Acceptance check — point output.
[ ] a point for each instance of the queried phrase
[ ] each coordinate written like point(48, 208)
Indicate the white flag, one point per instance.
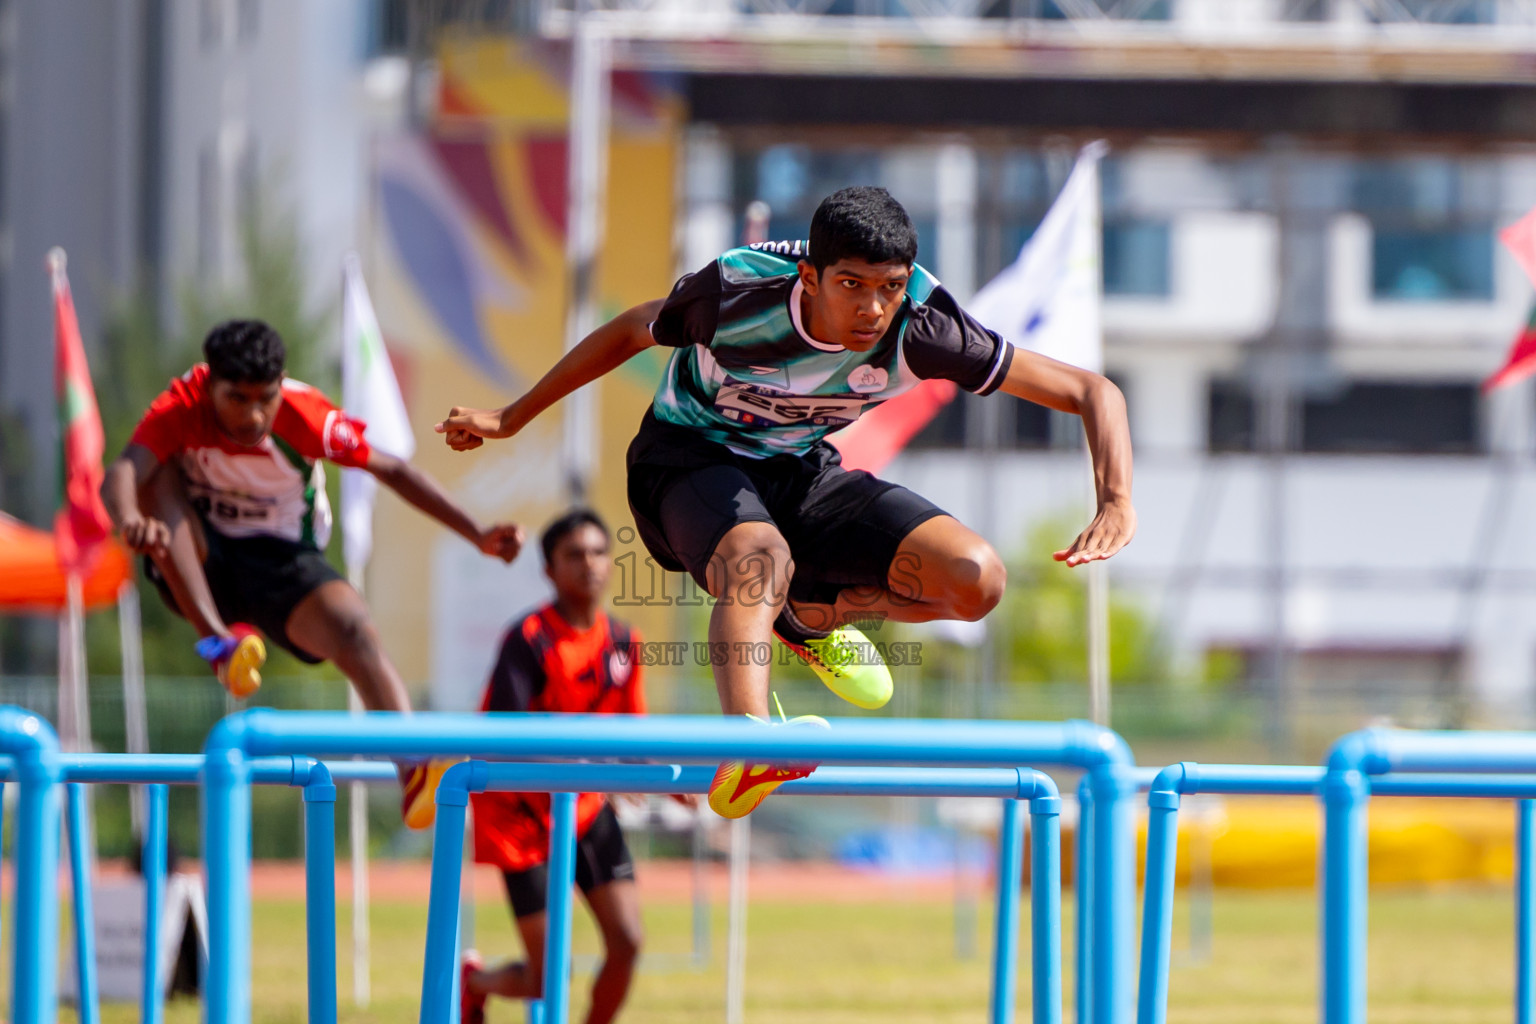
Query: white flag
point(369, 392)
point(1047, 300)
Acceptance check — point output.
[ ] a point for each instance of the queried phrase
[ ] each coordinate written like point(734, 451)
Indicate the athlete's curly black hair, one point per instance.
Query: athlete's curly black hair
point(863, 222)
point(566, 525)
point(245, 352)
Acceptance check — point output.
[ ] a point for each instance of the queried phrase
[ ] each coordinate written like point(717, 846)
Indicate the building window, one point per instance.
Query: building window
point(1392, 417)
point(1432, 264)
point(1123, 10)
point(1136, 256)
point(1431, 227)
point(1445, 12)
point(1360, 417)
point(1231, 424)
point(388, 28)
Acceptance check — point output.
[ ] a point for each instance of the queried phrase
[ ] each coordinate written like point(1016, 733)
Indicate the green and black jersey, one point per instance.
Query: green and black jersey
point(747, 375)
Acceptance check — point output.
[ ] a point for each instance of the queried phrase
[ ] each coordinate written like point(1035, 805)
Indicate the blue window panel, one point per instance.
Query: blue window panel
point(1136, 257)
point(1432, 265)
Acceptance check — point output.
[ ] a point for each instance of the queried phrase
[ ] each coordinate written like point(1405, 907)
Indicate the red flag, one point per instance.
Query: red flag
point(82, 523)
point(1520, 239)
point(879, 436)
point(1521, 361)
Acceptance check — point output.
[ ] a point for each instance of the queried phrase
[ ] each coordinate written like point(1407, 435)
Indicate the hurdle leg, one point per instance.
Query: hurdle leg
point(320, 892)
point(1083, 1000)
point(152, 859)
point(1345, 877)
point(35, 923)
point(1005, 942)
point(1525, 912)
point(1045, 907)
point(562, 877)
point(1157, 912)
point(1114, 887)
point(84, 917)
point(227, 853)
point(440, 967)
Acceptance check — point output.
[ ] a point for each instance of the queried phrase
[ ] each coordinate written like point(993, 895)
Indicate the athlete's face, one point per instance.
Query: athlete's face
point(579, 566)
point(851, 303)
point(245, 411)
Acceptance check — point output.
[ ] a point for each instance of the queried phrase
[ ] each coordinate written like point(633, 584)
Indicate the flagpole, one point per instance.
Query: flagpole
point(135, 708)
point(587, 189)
point(357, 792)
point(1098, 627)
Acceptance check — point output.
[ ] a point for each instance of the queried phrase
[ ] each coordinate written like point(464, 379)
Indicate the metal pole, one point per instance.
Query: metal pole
point(1083, 1008)
point(736, 922)
point(135, 711)
point(1114, 885)
point(84, 916)
point(1045, 907)
point(35, 919)
point(1525, 912)
point(152, 860)
point(587, 187)
point(227, 864)
point(440, 973)
point(357, 834)
point(1098, 643)
point(320, 892)
point(1005, 942)
point(700, 890)
point(1157, 912)
point(562, 879)
point(1345, 877)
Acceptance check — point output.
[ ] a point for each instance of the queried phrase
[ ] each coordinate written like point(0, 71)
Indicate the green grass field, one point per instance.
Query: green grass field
point(1437, 957)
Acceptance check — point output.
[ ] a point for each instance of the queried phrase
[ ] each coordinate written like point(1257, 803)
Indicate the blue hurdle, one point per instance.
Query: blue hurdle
point(1346, 789)
point(1188, 778)
point(695, 739)
point(440, 994)
point(34, 750)
point(157, 772)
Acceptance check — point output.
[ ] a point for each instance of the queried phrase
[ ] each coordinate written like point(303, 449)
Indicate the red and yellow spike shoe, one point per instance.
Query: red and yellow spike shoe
point(418, 798)
point(738, 787)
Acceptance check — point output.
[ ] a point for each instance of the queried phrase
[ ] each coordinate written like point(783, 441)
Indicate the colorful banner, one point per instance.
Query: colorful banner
point(469, 277)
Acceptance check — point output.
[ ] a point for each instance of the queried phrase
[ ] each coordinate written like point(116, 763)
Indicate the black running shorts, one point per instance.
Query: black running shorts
point(843, 527)
point(602, 856)
point(259, 580)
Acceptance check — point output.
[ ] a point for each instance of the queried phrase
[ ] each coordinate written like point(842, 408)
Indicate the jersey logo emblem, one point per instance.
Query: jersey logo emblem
point(619, 668)
point(865, 379)
point(755, 406)
point(341, 435)
point(763, 371)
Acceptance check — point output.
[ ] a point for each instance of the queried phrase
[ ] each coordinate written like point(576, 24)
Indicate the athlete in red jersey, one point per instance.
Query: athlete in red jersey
point(567, 656)
point(222, 489)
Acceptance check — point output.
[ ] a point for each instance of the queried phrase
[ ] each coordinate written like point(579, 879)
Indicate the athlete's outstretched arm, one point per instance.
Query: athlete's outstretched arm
point(605, 349)
point(1067, 388)
point(120, 494)
point(501, 541)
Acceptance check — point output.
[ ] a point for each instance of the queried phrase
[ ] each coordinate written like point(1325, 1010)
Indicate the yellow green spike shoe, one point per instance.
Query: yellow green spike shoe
point(850, 666)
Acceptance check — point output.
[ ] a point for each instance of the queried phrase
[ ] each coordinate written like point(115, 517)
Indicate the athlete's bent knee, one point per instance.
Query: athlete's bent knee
point(982, 577)
point(623, 943)
point(752, 562)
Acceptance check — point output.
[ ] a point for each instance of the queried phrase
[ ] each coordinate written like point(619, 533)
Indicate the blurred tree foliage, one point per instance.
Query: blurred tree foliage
point(1046, 611)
